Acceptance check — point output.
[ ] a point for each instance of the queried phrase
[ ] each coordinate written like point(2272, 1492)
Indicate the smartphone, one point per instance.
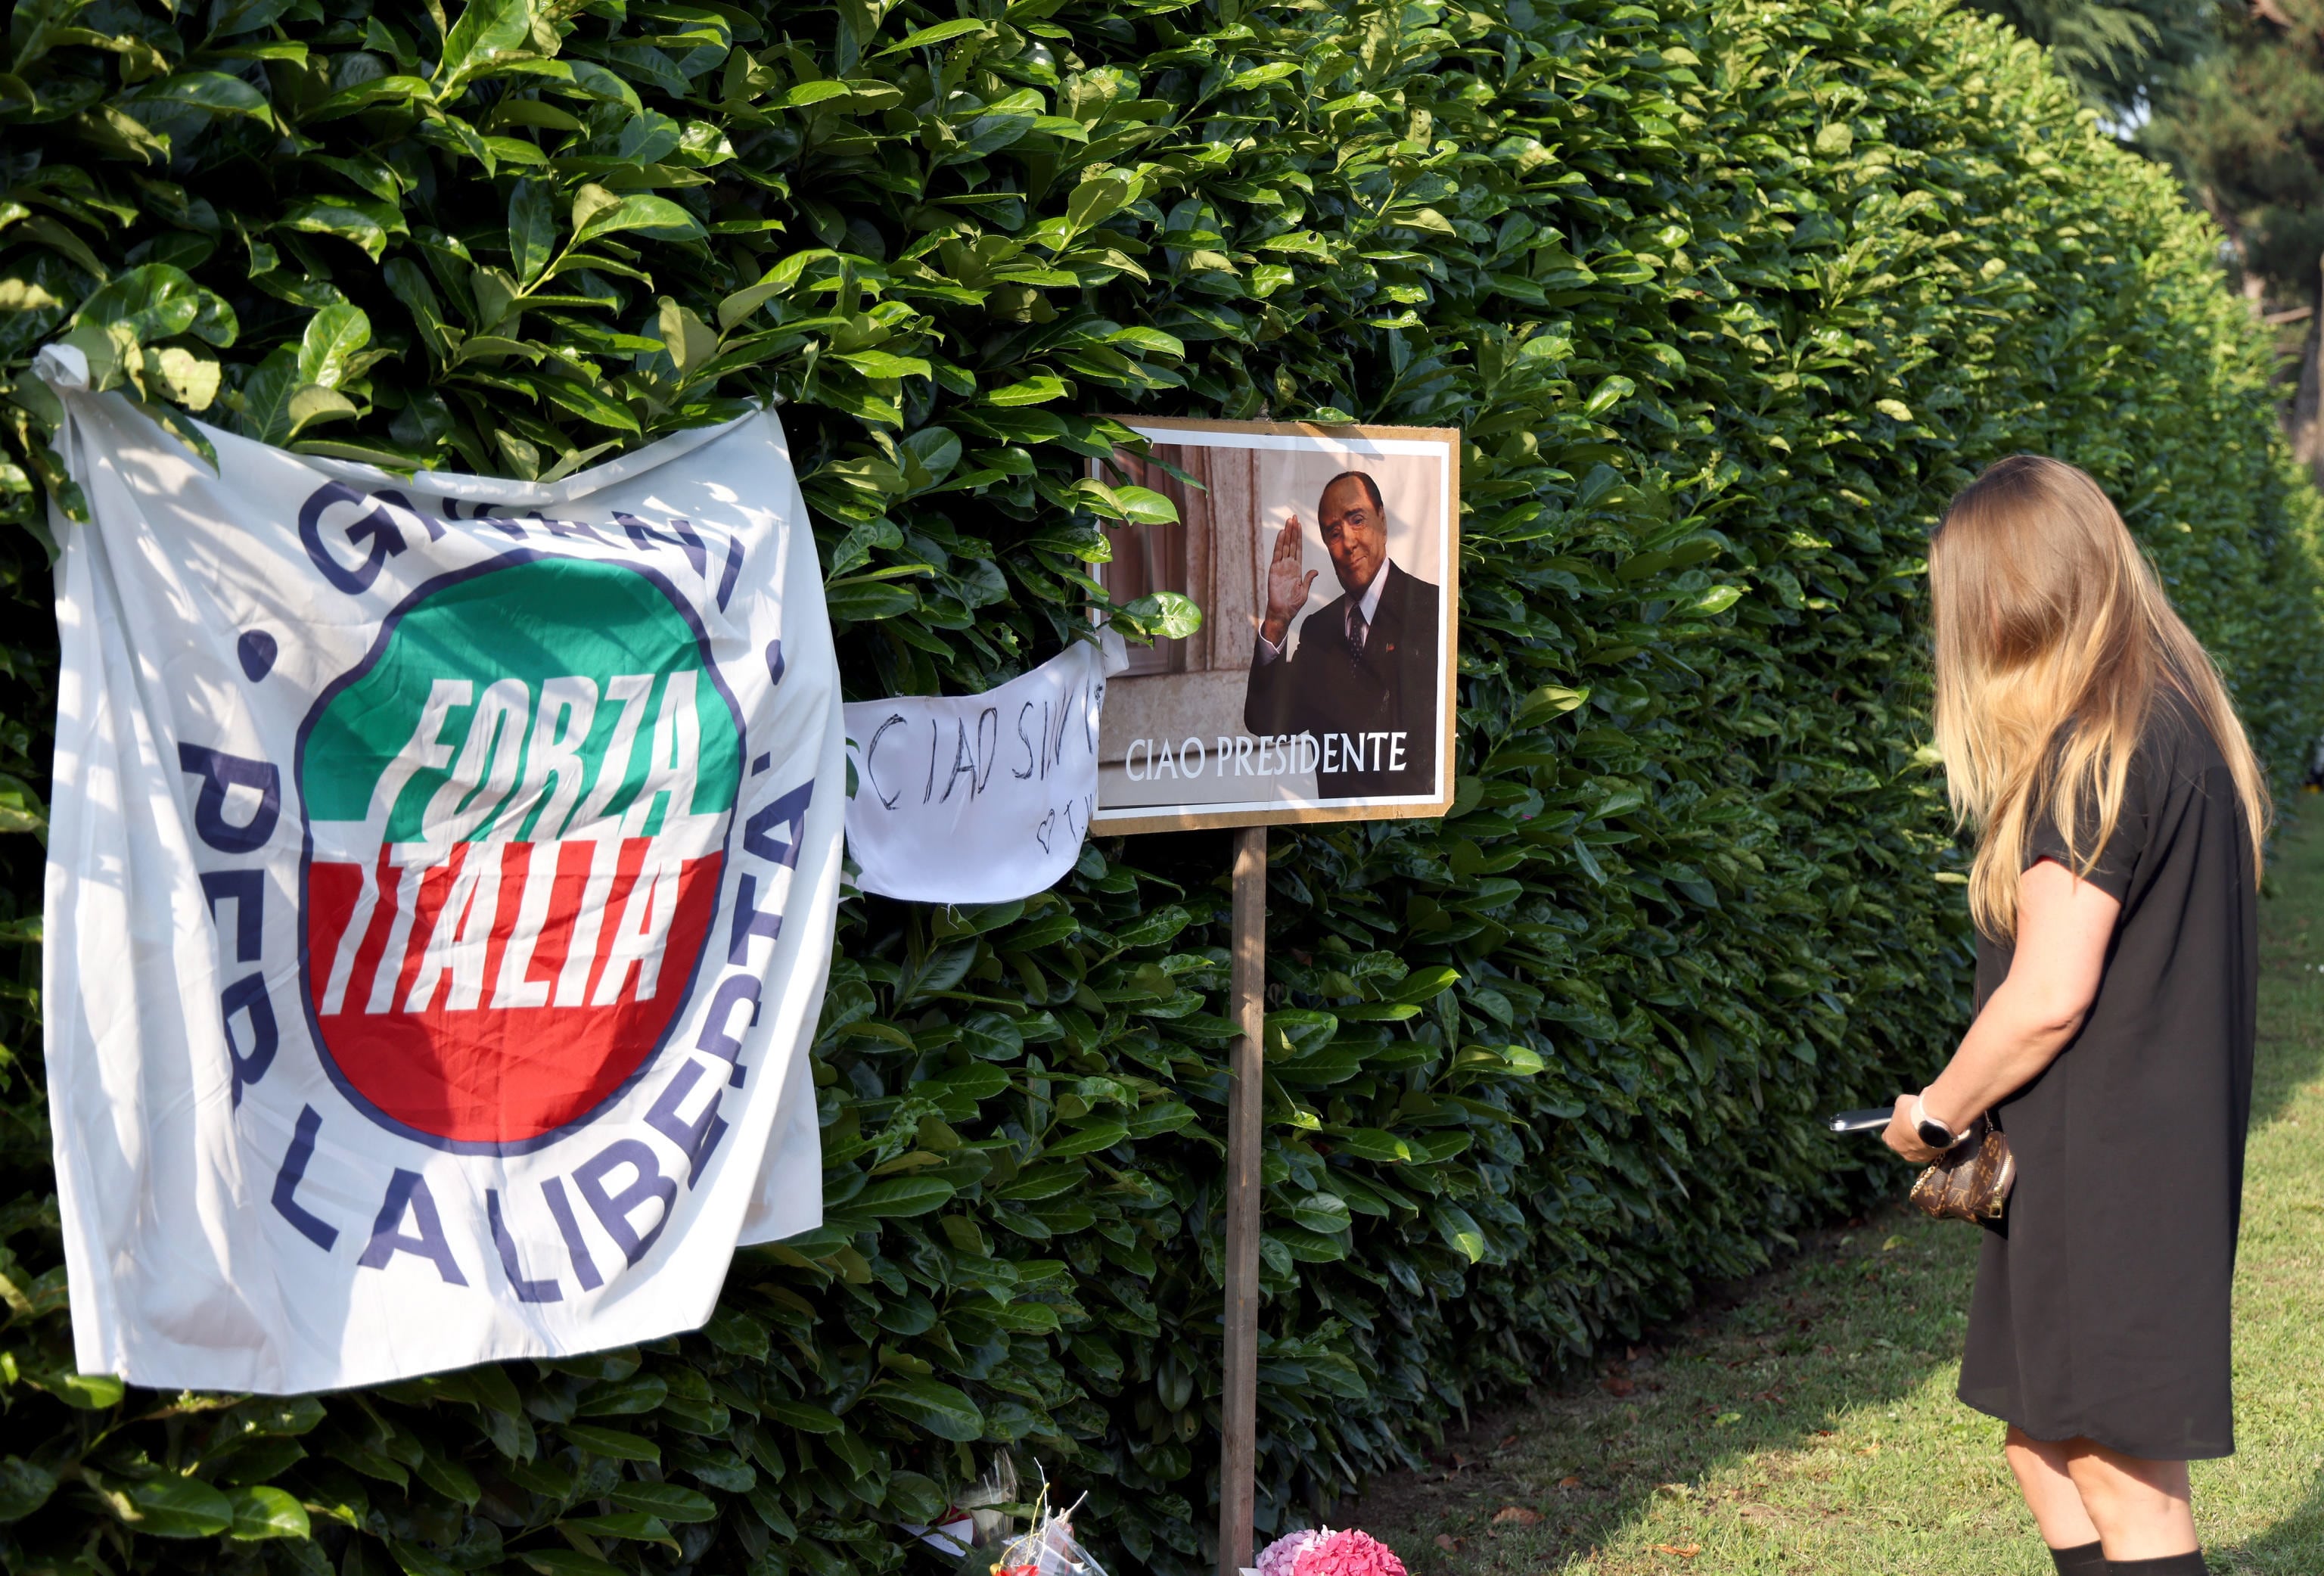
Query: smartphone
point(1870, 1120)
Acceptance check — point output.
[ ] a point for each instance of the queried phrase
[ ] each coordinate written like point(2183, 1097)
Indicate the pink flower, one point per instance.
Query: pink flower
point(1281, 1557)
point(1347, 1554)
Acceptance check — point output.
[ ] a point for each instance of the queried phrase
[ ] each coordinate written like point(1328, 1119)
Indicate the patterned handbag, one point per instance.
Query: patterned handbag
point(1970, 1181)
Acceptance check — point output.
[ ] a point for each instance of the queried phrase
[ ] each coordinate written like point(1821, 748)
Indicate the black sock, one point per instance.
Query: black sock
point(2089, 1559)
point(2188, 1565)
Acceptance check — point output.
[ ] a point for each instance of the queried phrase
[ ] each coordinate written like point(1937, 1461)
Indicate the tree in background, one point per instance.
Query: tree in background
point(2245, 126)
point(2122, 57)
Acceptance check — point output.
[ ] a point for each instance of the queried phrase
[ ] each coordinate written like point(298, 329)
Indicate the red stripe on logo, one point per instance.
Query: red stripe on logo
point(487, 1073)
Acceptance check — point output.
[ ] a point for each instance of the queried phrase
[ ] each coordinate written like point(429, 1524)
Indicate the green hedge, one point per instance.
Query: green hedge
point(1727, 299)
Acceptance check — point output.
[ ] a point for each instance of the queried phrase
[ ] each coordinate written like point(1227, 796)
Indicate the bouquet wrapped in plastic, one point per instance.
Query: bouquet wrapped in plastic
point(978, 1517)
point(1049, 1549)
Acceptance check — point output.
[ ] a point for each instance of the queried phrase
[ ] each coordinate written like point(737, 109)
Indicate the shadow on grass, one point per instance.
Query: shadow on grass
point(1806, 1364)
point(2288, 1548)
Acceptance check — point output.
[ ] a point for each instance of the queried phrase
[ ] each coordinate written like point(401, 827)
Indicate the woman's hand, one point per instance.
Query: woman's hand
point(1901, 1136)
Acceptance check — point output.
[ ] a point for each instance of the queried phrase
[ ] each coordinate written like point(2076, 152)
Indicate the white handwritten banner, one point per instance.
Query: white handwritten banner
point(441, 885)
point(979, 799)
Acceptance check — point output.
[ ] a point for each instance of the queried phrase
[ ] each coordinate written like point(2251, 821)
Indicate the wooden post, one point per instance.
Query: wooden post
point(1246, 1091)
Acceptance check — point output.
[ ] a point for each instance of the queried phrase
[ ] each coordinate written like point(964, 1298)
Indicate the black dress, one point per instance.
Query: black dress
point(2102, 1299)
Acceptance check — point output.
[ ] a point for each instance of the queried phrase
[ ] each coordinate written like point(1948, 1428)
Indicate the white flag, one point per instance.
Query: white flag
point(979, 799)
point(441, 883)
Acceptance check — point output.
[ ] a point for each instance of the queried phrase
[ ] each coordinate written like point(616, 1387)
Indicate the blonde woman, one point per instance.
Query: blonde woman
point(2118, 814)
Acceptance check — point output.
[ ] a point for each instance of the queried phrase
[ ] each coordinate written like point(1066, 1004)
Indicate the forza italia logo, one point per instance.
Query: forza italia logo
point(517, 810)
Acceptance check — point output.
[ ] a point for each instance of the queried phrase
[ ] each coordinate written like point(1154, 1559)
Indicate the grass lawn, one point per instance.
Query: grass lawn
point(1810, 1428)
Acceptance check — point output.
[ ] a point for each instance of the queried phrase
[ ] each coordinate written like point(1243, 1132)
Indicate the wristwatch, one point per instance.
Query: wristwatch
point(1934, 1133)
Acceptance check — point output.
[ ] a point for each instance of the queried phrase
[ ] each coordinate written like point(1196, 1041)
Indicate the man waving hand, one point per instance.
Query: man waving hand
point(1363, 679)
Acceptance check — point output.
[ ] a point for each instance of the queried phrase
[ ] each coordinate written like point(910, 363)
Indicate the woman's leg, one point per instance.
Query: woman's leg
point(2141, 1508)
point(2043, 1477)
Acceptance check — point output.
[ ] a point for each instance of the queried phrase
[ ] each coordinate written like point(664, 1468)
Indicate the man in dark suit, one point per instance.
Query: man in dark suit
point(1364, 680)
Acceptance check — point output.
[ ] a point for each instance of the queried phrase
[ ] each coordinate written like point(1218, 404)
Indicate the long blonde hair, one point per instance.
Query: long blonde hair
point(2053, 638)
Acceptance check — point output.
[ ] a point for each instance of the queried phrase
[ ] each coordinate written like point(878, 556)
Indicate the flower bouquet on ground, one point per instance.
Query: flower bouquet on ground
point(1320, 1551)
point(1049, 1549)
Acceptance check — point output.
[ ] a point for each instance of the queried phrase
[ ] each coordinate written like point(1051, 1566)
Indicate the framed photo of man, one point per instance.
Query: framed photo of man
point(1326, 561)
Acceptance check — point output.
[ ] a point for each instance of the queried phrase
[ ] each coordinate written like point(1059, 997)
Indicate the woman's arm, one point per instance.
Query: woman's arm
point(2063, 926)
